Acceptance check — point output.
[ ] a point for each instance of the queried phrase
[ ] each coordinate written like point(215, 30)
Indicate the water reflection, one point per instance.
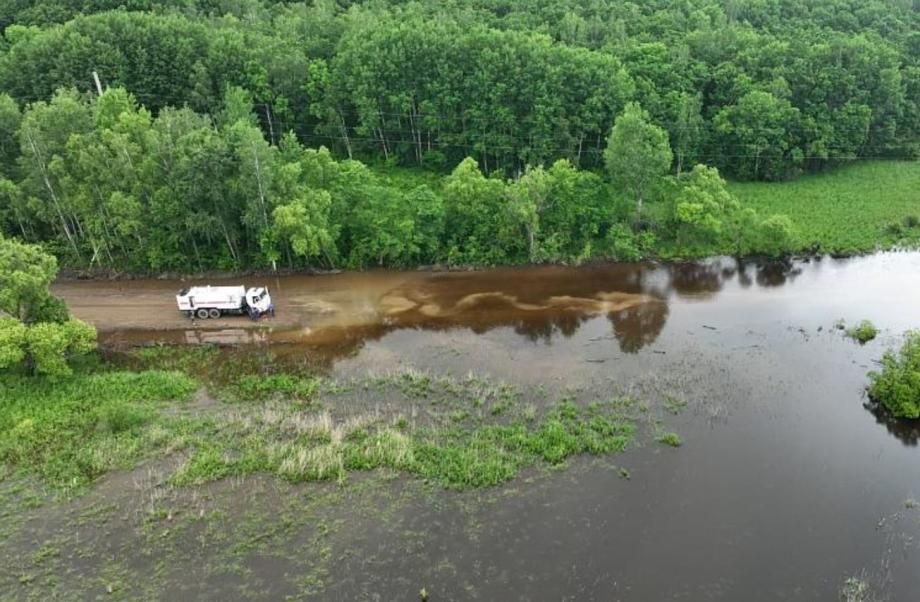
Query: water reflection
point(539, 304)
point(905, 431)
point(638, 326)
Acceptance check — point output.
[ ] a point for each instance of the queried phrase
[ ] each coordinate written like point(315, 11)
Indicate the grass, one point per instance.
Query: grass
point(857, 589)
point(856, 208)
point(457, 433)
point(669, 438)
point(69, 431)
point(482, 452)
point(863, 332)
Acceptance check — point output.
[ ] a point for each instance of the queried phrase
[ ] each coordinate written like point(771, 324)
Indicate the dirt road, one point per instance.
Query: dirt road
point(321, 309)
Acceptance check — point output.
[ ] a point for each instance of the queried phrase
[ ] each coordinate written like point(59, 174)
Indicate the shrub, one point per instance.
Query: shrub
point(897, 385)
point(864, 332)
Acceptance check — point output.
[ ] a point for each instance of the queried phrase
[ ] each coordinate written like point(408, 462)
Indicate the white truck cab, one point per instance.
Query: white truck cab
point(214, 301)
point(259, 300)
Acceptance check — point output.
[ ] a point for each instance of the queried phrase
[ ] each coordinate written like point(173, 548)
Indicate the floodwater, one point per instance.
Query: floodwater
point(786, 485)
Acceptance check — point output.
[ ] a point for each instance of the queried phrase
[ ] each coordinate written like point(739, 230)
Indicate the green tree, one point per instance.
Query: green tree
point(302, 224)
point(756, 136)
point(479, 225)
point(686, 129)
point(702, 209)
point(26, 273)
point(12, 342)
point(10, 118)
point(637, 155)
point(34, 326)
point(51, 344)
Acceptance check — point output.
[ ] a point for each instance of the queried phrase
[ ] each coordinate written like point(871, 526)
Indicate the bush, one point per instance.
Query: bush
point(864, 332)
point(897, 386)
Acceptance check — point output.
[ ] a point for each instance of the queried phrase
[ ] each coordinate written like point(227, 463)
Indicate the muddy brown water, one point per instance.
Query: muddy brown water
point(786, 483)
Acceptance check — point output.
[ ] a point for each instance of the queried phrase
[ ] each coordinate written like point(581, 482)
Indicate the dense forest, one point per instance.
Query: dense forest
point(239, 133)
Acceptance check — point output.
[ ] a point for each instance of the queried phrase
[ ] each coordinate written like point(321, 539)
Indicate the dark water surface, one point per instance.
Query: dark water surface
point(785, 485)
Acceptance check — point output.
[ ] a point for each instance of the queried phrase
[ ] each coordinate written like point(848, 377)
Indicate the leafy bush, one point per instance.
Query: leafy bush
point(897, 385)
point(864, 332)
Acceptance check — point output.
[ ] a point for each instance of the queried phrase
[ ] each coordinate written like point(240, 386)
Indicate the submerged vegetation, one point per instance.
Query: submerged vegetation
point(457, 433)
point(897, 385)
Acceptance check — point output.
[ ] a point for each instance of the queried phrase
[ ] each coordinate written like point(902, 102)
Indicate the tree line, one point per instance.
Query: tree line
point(104, 182)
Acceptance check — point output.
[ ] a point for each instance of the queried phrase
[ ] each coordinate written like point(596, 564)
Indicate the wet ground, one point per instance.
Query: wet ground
point(786, 485)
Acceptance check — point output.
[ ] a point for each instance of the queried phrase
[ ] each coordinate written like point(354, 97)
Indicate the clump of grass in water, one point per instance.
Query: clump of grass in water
point(674, 405)
point(669, 438)
point(251, 387)
point(79, 428)
point(455, 457)
point(857, 589)
point(864, 332)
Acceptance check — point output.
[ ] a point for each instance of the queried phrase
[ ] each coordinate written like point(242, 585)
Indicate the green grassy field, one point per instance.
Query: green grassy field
point(856, 208)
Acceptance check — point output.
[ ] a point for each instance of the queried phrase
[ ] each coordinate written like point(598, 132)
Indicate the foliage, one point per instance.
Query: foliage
point(637, 154)
point(208, 148)
point(26, 273)
point(73, 429)
point(50, 344)
point(897, 385)
point(845, 211)
point(34, 325)
point(13, 339)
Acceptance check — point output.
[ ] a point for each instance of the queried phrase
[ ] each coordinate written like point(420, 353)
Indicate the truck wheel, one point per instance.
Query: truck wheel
point(202, 314)
point(213, 313)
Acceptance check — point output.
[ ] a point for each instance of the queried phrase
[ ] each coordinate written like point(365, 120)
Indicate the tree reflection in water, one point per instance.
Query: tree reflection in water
point(905, 431)
point(539, 304)
point(638, 326)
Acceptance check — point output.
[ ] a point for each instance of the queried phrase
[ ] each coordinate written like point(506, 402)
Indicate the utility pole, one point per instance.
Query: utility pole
point(98, 83)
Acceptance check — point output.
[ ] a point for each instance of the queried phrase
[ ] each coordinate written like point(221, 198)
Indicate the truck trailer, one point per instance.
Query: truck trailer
point(214, 301)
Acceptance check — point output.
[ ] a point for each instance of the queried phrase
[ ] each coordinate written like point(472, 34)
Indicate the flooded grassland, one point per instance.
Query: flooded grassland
point(784, 485)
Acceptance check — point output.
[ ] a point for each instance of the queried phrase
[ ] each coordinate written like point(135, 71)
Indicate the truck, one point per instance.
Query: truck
point(213, 302)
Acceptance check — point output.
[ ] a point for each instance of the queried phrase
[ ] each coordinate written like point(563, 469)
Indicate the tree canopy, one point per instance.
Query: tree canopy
point(261, 133)
point(35, 327)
